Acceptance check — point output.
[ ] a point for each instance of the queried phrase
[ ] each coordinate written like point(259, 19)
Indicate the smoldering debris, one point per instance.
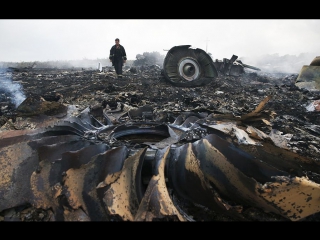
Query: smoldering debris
point(96, 148)
point(11, 90)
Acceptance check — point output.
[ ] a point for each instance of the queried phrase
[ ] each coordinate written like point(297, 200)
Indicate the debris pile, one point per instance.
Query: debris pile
point(86, 146)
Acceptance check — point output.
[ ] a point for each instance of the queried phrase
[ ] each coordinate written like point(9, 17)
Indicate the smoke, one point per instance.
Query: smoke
point(274, 63)
point(13, 89)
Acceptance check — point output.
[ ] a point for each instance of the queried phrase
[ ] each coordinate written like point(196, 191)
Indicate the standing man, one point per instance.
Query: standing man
point(118, 57)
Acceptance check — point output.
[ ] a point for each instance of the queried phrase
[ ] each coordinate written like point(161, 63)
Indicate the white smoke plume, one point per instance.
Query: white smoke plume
point(275, 63)
point(13, 89)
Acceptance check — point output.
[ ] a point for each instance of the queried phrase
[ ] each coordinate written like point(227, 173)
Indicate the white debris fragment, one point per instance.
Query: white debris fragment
point(223, 127)
point(280, 140)
point(256, 133)
point(313, 106)
point(243, 137)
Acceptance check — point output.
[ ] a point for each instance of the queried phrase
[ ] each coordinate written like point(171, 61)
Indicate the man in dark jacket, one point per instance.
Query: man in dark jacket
point(118, 57)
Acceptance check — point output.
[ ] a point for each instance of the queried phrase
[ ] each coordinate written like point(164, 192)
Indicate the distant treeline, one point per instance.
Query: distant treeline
point(85, 63)
point(268, 63)
point(147, 58)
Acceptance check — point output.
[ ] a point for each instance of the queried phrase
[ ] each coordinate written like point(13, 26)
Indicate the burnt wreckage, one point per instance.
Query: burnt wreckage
point(188, 67)
point(121, 161)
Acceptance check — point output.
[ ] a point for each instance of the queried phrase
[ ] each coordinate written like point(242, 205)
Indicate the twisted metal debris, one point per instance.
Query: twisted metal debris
point(199, 159)
point(80, 169)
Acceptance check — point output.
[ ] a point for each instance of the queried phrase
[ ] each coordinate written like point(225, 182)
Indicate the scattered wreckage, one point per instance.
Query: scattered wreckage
point(309, 76)
point(188, 67)
point(213, 153)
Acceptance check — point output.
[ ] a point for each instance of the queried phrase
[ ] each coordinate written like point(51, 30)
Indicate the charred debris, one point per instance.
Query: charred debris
point(192, 140)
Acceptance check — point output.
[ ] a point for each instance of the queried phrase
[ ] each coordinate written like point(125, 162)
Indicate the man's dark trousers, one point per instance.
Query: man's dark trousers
point(118, 66)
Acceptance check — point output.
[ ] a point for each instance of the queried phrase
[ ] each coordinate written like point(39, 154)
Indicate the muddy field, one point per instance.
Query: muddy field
point(264, 126)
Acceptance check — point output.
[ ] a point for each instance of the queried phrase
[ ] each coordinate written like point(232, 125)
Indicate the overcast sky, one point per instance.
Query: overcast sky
point(76, 39)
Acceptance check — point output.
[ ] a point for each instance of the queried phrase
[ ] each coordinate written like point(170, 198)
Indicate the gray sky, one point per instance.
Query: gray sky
point(24, 40)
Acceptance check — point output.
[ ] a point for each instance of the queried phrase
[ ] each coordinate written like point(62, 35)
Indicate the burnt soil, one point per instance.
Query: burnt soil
point(286, 109)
